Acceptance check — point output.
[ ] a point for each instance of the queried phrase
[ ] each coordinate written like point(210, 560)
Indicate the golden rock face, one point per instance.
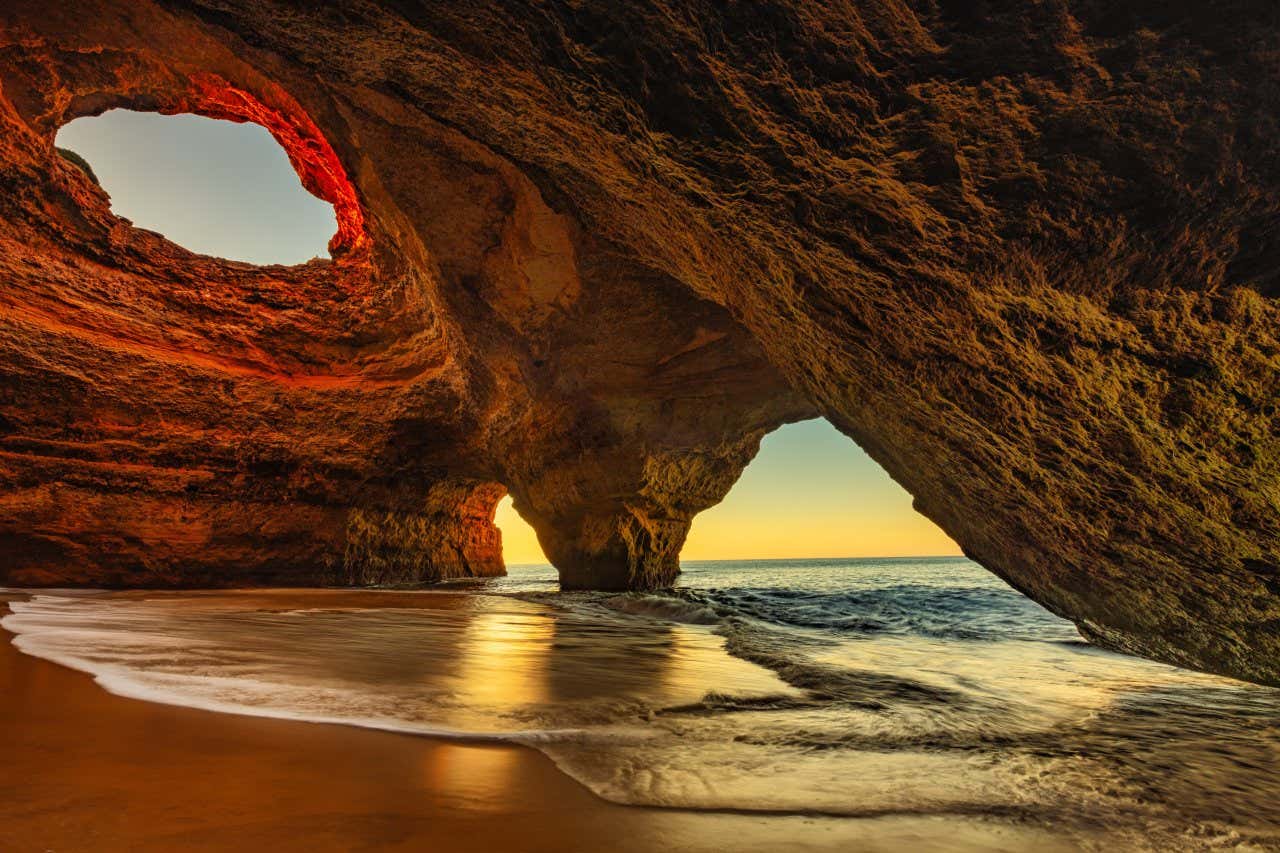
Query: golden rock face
point(1023, 255)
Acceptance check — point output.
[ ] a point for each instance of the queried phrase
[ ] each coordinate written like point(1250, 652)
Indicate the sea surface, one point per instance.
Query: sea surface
point(849, 689)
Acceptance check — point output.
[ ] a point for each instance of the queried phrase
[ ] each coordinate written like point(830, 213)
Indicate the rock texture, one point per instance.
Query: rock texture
point(1025, 253)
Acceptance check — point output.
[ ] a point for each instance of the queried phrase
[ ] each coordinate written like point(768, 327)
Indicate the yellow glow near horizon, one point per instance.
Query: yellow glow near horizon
point(811, 492)
point(519, 542)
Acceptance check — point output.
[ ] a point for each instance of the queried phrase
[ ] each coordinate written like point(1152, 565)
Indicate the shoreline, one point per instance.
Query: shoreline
point(88, 770)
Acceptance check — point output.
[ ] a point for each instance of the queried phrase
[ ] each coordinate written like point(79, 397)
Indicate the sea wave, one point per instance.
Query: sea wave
point(667, 608)
point(945, 612)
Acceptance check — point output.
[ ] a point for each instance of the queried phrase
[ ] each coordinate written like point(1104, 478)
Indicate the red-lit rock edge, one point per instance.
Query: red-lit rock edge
point(310, 153)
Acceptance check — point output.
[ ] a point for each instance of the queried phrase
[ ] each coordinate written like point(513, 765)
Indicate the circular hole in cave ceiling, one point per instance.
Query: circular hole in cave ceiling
point(215, 187)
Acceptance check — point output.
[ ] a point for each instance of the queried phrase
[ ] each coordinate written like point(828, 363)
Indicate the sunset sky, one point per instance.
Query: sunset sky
point(228, 190)
point(811, 492)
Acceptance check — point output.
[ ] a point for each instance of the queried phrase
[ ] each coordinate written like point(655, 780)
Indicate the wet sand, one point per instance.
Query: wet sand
point(83, 770)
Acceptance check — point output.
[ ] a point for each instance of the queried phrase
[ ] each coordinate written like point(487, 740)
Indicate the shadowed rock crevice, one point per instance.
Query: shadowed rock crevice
point(453, 536)
point(1017, 251)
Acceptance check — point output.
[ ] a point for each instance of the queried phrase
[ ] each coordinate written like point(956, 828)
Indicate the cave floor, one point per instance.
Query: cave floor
point(83, 769)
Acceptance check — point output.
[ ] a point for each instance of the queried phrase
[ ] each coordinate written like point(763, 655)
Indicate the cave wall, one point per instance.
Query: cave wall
point(173, 419)
point(1022, 252)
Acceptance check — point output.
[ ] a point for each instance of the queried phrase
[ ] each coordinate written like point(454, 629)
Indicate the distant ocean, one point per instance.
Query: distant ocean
point(847, 688)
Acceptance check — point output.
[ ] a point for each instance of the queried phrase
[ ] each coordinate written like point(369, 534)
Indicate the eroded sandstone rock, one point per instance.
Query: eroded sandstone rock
point(589, 253)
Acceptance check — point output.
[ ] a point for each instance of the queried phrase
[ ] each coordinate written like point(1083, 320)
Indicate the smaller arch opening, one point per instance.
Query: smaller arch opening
point(520, 545)
point(220, 188)
point(812, 492)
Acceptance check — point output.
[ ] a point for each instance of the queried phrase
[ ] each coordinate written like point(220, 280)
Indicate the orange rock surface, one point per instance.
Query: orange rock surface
point(1023, 253)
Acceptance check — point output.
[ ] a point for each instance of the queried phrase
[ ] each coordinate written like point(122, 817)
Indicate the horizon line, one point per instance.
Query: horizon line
point(779, 559)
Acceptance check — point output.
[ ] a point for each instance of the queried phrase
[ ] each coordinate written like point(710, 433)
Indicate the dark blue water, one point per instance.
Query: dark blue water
point(941, 598)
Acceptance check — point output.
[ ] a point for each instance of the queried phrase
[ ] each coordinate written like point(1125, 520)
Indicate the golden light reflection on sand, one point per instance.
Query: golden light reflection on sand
point(488, 778)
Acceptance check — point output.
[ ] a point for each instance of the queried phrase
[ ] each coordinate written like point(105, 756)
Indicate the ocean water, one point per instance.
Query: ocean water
point(844, 688)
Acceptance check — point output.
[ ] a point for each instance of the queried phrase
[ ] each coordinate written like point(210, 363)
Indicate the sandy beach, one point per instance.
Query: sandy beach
point(84, 770)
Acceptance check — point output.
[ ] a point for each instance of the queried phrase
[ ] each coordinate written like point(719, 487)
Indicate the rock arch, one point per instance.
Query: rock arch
point(593, 254)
